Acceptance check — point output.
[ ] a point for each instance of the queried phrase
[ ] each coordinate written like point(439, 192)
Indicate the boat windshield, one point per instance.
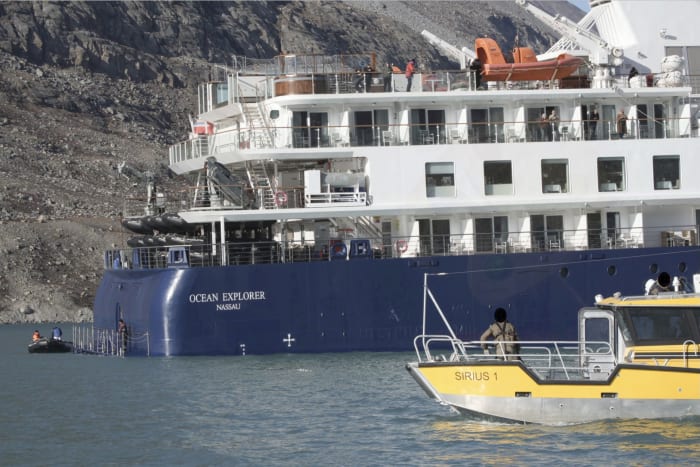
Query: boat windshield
point(654, 326)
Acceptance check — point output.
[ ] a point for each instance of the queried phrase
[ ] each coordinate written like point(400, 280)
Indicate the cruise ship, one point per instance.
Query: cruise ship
point(321, 189)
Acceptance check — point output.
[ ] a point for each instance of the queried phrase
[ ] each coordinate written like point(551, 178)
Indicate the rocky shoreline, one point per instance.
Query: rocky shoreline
point(87, 86)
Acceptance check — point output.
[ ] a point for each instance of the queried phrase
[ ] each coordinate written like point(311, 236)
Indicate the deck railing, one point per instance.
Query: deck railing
point(547, 360)
point(99, 341)
point(269, 135)
point(437, 133)
point(192, 252)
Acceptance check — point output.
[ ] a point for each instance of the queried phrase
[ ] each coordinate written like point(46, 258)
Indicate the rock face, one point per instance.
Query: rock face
point(87, 85)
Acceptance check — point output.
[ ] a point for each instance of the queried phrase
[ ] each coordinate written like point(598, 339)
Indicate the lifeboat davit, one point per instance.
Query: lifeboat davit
point(525, 66)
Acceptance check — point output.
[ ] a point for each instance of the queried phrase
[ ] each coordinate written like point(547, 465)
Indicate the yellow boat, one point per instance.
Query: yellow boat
point(636, 357)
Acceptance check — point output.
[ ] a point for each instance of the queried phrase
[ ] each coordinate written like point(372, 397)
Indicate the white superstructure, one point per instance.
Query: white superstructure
point(323, 152)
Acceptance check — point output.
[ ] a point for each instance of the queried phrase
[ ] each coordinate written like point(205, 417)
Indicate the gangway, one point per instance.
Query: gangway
point(108, 342)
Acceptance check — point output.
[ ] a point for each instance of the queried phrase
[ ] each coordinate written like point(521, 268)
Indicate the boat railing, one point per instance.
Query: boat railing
point(89, 339)
point(162, 250)
point(270, 135)
point(319, 74)
point(328, 199)
point(547, 360)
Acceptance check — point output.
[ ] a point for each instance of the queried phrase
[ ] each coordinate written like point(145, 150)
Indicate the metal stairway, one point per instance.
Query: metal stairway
point(261, 183)
point(260, 133)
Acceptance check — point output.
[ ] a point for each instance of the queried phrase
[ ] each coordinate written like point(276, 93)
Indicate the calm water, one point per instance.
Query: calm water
point(332, 409)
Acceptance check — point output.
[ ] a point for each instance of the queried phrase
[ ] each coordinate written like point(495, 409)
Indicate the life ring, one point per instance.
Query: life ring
point(280, 198)
point(402, 246)
point(338, 248)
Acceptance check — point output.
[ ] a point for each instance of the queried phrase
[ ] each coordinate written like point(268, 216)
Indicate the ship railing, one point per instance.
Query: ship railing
point(547, 360)
point(694, 83)
point(336, 74)
point(89, 339)
point(181, 250)
point(269, 135)
point(333, 199)
point(538, 241)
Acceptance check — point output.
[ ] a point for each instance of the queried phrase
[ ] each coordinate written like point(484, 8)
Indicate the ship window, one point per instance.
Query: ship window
point(221, 94)
point(439, 179)
point(597, 334)
point(427, 126)
point(555, 176)
point(691, 64)
point(654, 325)
point(369, 125)
point(645, 122)
point(693, 61)
point(666, 172)
point(310, 129)
point(487, 125)
point(611, 174)
point(674, 50)
point(546, 232)
point(491, 233)
point(434, 236)
point(539, 130)
point(612, 219)
point(594, 230)
point(498, 178)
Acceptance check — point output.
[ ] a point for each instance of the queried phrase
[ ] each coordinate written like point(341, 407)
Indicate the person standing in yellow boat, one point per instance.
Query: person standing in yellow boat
point(501, 330)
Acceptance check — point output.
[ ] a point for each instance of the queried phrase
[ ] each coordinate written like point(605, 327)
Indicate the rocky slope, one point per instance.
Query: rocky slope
point(87, 85)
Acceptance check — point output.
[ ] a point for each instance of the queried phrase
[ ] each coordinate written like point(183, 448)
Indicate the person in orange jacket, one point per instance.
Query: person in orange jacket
point(410, 70)
point(36, 336)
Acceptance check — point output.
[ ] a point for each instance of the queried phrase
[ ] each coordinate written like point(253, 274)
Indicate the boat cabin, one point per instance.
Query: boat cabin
point(659, 329)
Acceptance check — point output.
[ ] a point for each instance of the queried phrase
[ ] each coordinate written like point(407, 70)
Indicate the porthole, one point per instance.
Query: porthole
point(653, 268)
point(564, 273)
point(682, 267)
point(612, 270)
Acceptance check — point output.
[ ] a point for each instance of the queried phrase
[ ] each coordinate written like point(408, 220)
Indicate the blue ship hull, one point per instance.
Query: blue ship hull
point(366, 304)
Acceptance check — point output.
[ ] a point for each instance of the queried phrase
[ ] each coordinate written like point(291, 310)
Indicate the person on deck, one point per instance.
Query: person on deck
point(554, 122)
point(662, 284)
point(358, 80)
point(475, 69)
point(369, 71)
point(504, 335)
point(621, 123)
point(593, 124)
point(387, 77)
point(57, 334)
point(410, 71)
point(633, 73)
point(123, 336)
point(545, 128)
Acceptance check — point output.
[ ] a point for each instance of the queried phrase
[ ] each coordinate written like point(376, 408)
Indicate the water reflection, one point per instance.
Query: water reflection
point(651, 435)
point(631, 441)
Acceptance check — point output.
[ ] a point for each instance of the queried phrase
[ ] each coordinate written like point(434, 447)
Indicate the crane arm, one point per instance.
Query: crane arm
point(600, 51)
point(462, 56)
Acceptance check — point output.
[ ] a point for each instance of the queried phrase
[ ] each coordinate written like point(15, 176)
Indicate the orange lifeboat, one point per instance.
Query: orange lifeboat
point(525, 66)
